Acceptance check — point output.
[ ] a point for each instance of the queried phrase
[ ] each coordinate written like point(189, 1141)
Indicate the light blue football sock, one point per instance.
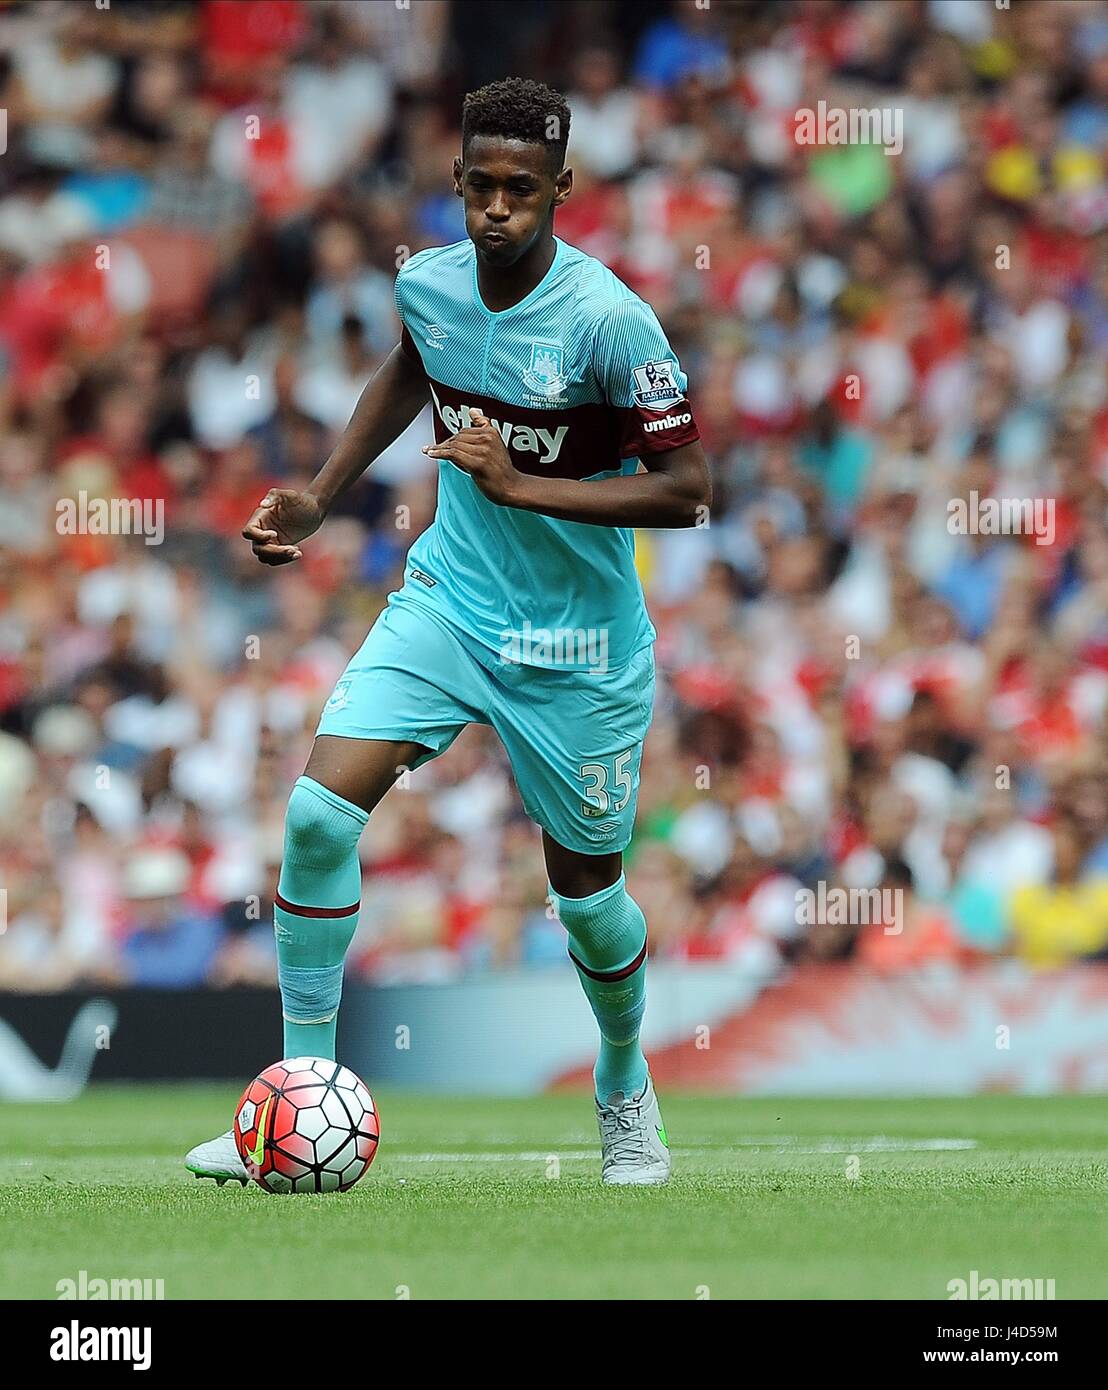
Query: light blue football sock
point(607, 944)
point(315, 913)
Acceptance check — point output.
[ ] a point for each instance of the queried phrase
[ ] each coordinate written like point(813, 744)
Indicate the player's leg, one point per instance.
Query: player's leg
point(315, 911)
point(318, 897)
point(575, 744)
point(403, 699)
point(607, 944)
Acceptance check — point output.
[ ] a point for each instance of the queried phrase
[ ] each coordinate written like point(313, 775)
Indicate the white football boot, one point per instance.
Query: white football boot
point(633, 1142)
point(219, 1159)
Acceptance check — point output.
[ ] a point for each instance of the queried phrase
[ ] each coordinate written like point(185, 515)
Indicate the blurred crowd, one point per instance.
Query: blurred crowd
point(202, 209)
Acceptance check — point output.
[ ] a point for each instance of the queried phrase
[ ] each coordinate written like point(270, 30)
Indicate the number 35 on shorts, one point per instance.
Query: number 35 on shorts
point(607, 790)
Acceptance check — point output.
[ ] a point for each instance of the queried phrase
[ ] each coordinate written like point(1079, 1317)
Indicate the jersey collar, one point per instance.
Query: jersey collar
point(559, 249)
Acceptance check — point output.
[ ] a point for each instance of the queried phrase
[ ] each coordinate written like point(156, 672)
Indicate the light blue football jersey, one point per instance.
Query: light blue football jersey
point(580, 381)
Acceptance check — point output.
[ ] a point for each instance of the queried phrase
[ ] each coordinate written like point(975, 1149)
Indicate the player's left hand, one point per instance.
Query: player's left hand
point(480, 451)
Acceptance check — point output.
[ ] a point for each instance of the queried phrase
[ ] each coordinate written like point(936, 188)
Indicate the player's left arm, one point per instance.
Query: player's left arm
point(644, 389)
point(675, 490)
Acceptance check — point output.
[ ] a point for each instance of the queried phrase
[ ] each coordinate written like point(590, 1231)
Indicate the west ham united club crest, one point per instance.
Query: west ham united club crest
point(656, 386)
point(544, 375)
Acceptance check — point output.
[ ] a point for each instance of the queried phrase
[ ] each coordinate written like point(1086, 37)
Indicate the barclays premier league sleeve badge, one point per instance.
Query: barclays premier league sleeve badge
point(655, 386)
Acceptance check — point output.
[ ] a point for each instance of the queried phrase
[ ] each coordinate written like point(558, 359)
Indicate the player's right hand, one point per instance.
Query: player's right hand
point(283, 518)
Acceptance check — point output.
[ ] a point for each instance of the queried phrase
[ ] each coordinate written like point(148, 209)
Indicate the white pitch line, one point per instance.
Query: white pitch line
point(495, 1157)
point(879, 1144)
point(786, 1141)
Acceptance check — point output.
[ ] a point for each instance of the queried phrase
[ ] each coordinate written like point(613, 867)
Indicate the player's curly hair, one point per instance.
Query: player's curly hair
point(518, 109)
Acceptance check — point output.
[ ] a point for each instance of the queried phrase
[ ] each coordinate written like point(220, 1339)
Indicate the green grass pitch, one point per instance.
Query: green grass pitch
point(770, 1199)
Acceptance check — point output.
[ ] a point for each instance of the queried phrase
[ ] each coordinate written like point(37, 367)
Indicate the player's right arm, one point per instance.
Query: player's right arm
point(393, 397)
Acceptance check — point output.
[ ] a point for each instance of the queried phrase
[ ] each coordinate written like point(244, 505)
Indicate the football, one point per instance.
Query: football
point(306, 1125)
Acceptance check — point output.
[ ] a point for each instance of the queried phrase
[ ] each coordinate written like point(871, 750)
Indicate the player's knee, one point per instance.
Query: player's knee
point(604, 929)
point(580, 914)
point(318, 834)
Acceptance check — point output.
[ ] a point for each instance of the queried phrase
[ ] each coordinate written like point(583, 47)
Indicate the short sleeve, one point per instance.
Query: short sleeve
point(407, 342)
point(642, 381)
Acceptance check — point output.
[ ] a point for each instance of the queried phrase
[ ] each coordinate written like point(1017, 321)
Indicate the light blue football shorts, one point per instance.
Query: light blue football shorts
point(573, 737)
